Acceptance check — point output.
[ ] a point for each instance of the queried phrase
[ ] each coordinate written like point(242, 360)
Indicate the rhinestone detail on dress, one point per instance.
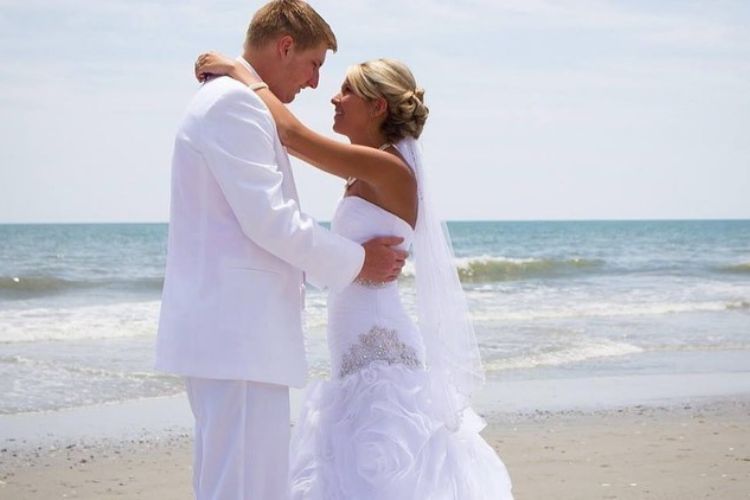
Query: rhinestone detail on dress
point(379, 344)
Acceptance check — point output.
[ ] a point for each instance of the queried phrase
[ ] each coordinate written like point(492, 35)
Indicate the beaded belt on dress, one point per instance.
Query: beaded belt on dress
point(378, 344)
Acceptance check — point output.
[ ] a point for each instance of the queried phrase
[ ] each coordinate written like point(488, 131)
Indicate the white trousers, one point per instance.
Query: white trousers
point(241, 439)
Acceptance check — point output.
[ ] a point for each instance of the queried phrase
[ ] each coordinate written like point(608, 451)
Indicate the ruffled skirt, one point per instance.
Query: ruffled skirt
point(372, 435)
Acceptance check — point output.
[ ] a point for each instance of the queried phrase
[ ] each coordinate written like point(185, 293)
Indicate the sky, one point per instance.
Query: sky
point(539, 109)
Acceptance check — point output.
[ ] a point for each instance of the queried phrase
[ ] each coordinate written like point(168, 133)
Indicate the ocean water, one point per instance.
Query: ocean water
point(550, 300)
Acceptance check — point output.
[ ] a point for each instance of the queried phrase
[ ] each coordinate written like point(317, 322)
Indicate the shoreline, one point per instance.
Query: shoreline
point(694, 449)
point(504, 400)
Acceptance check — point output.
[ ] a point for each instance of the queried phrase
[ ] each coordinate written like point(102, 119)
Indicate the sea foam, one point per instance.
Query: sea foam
point(599, 309)
point(572, 354)
point(129, 319)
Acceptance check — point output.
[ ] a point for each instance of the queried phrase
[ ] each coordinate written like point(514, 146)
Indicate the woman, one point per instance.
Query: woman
point(394, 421)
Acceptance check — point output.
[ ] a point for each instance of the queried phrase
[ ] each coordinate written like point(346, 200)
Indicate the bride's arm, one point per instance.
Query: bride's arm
point(344, 160)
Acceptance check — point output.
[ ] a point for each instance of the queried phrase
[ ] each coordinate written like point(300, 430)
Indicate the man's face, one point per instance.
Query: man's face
point(299, 69)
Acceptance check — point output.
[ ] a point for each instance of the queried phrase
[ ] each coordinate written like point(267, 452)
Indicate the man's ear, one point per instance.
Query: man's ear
point(285, 46)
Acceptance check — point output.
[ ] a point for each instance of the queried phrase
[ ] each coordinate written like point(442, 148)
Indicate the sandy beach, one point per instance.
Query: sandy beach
point(694, 450)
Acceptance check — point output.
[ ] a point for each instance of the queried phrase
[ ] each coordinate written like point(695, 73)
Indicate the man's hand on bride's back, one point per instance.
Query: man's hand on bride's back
point(383, 262)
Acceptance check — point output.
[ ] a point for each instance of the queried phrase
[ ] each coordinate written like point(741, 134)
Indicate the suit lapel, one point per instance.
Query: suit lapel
point(288, 186)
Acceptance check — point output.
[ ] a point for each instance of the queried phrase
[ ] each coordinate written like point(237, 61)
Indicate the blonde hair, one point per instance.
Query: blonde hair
point(290, 17)
point(393, 81)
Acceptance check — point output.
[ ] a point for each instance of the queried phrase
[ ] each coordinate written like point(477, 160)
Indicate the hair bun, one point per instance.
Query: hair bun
point(393, 81)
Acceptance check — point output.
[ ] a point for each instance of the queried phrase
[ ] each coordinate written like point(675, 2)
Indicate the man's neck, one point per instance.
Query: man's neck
point(256, 62)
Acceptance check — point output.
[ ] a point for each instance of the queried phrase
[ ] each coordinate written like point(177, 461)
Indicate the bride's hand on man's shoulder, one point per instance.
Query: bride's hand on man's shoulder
point(210, 64)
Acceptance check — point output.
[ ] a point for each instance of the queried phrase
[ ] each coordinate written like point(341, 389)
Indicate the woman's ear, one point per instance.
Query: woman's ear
point(380, 107)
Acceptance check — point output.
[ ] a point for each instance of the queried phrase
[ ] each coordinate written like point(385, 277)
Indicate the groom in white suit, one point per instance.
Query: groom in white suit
point(239, 250)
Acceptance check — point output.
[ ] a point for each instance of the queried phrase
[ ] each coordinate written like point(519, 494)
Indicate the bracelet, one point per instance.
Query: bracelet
point(372, 284)
point(258, 86)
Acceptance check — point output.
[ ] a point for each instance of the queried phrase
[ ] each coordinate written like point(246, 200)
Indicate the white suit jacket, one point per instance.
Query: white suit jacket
point(238, 246)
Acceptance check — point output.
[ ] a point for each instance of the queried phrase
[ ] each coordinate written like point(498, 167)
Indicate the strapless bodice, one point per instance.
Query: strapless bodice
point(360, 220)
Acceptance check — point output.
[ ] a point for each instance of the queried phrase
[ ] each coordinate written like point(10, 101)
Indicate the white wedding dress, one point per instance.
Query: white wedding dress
point(370, 432)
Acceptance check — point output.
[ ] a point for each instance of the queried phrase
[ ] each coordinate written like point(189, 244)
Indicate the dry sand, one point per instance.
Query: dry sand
point(692, 451)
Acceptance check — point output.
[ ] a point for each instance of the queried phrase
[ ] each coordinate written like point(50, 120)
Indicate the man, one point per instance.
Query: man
point(238, 246)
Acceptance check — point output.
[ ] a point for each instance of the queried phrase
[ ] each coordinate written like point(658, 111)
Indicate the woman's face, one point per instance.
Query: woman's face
point(353, 115)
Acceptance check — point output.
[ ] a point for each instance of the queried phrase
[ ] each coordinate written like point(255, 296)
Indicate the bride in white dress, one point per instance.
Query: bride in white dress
point(394, 421)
